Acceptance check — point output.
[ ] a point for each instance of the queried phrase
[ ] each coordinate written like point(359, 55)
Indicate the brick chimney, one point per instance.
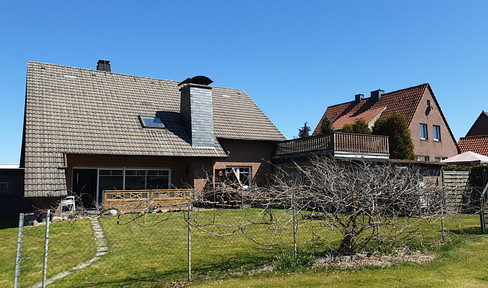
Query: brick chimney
point(103, 65)
point(196, 111)
point(376, 95)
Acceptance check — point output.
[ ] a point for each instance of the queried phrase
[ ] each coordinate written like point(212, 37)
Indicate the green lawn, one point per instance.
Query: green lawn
point(70, 243)
point(151, 251)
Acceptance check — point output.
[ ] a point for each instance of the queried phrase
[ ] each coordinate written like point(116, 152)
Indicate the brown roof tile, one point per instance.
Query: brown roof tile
point(81, 111)
point(477, 144)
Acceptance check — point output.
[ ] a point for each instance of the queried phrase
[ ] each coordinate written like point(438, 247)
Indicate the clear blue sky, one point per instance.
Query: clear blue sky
point(294, 58)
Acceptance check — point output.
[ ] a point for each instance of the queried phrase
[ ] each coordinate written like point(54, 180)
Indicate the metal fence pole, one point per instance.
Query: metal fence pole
point(46, 246)
point(294, 223)
point(482, 215)
point(189, 239)
point(19, 248)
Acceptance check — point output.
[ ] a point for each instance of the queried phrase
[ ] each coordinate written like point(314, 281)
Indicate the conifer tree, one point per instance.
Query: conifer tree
point(395, 127)
point(304, 131)
point(326, 127)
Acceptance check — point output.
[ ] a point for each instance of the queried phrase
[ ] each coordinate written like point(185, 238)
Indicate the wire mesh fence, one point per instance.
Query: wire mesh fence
point(208, 237)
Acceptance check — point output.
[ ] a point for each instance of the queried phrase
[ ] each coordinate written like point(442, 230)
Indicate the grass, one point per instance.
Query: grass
point(151, 251)
point(70, 243)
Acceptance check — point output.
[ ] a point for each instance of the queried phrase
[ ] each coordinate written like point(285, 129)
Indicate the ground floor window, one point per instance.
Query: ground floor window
point(439, 159)
point(90, 183)
point(423, 158)
point(242, 175)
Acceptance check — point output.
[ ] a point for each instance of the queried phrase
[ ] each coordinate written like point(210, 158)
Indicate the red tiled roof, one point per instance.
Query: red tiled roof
point(368, 116)
point(404, 101)
point(477, 144)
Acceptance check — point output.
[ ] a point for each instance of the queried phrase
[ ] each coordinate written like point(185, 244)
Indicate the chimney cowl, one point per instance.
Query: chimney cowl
point(376, 94)
point(358, 98)
point(103, 65)
point(200, 80)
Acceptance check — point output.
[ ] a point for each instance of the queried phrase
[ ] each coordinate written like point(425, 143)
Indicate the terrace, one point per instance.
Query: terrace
point(342, 145)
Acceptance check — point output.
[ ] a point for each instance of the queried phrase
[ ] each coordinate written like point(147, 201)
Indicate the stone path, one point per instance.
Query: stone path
point(102, 249)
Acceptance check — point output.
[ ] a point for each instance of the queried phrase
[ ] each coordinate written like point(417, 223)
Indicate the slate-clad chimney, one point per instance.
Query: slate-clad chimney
point(196, 111)
point(376, 95)
point(103, 65)
point(358, 98)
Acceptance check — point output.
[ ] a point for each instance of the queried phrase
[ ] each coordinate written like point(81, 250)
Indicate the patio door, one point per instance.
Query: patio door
point(85, 186)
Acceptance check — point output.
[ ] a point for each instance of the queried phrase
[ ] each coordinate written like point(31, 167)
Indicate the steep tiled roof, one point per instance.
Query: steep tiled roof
point(368, 116)
point(477, 144)
point(80, 111)
point(404, 101)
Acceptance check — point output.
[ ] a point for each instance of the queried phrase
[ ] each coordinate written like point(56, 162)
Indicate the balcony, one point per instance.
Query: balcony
point(343, 145)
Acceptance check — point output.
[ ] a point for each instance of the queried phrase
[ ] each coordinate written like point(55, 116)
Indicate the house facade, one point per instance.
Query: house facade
point(431, 136)
point(87, 131)
point(12, 199)
point(476, 140)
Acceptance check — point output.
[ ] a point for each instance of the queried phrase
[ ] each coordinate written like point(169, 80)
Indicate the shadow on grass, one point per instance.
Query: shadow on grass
point(469, 230)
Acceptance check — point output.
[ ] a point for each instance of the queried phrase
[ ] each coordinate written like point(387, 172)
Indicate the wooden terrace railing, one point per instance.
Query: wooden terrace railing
point(146, 200)
point(337, 142)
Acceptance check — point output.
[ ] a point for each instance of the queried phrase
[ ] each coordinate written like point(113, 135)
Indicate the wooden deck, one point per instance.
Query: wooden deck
point(128, 201)
point(338, 143)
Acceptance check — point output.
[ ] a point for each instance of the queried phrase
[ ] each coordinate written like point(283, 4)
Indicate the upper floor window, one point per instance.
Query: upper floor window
point(437, 133)
point(424, 135)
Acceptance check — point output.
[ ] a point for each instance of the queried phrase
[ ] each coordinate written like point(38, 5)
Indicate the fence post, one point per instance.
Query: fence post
point(19, 248)
point(46, 246)
point(482, 215)
point(190, 207)
point(443, 205)
point(294, 222)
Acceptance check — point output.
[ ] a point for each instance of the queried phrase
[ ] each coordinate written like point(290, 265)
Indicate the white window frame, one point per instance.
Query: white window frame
point(238, 171)
point(123, 175)
point(426, 130)
point(425, 158)
point(438, 136)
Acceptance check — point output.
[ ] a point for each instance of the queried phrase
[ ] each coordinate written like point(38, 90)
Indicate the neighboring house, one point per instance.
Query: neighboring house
point(87, 131)
point(11, 190)
point(476, 139)
point(431, 136)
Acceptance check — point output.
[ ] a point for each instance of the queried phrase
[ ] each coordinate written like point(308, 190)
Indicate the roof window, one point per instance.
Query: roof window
point(151, 122)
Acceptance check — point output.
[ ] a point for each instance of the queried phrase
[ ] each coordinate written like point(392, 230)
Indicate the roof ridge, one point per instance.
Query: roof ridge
point(408, 88)
point(120, 74)
point(474, 136)
point(400, 90)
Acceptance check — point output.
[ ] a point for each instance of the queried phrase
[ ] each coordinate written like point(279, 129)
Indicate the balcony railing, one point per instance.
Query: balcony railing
point(146, 200)
point(338, 142)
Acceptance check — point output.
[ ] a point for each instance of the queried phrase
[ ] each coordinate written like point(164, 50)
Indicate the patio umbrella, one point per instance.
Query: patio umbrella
point(467, 158)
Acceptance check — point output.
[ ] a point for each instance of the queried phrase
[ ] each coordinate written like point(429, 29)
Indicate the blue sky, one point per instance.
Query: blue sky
point(294, 58)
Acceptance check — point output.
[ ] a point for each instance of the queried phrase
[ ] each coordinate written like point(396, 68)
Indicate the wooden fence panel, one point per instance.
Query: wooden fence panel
point(457, 185)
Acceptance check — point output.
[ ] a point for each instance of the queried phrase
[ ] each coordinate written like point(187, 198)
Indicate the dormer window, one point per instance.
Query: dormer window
point(151, 122)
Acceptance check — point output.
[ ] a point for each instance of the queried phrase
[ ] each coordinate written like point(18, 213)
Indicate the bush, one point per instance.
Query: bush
point(290, 262)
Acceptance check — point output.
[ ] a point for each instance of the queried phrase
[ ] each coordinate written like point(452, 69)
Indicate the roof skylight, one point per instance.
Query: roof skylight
point(151, 122)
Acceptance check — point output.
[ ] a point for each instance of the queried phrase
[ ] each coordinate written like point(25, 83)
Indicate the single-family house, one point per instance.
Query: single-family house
point(87, 131)
point(476, 140)
point(431, 136)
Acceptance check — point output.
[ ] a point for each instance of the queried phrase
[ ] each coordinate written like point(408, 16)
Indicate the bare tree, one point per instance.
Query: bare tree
point(358, 202)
